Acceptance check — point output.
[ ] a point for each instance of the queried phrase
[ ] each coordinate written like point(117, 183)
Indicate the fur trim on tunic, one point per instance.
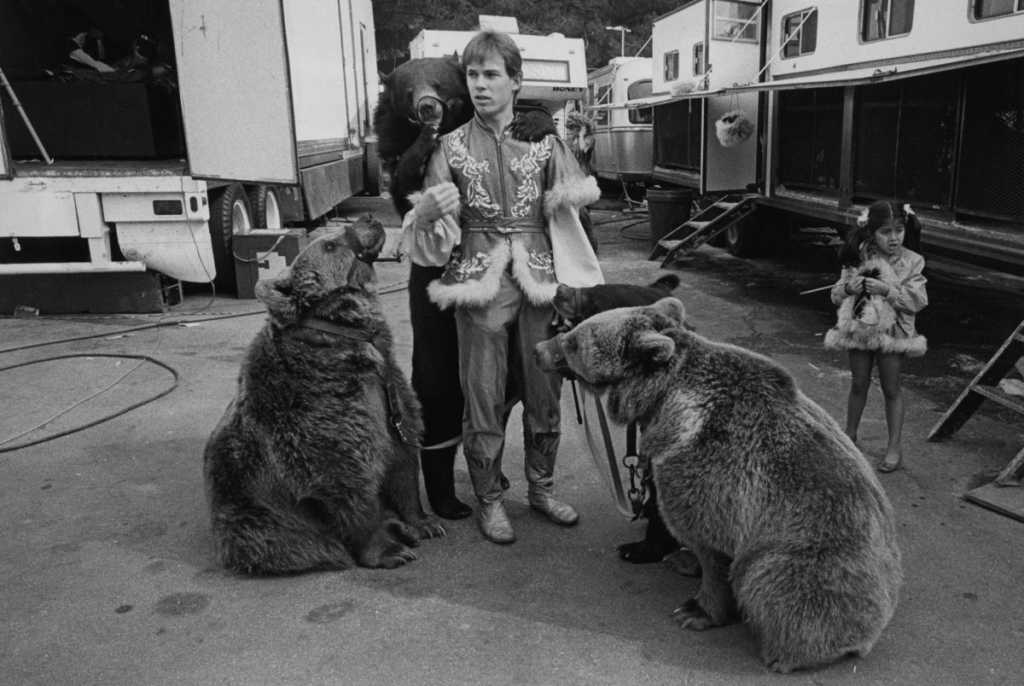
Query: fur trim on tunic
point(537, 293)
point(873, 325)
point(578, 192)
point(474, 292)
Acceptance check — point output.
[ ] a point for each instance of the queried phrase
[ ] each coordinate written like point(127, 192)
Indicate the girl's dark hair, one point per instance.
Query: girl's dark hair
point(877, 215)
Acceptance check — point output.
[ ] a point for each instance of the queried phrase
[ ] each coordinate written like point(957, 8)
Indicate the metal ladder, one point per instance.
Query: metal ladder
point(985, 386)
point(705, 225)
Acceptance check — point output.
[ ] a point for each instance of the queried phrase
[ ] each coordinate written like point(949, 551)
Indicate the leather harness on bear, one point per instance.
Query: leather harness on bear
point(629, 502)
point(332, 331)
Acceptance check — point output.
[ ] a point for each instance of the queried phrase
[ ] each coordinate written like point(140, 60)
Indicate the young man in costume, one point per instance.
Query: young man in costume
point(503, 216)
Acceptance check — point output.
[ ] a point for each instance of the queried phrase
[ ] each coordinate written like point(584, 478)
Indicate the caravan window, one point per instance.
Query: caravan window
point(904, 139)
point(635, 91)
point(886, 18)
point(736, 21)
point(990, 175)
point(800, 33)
point(671, 65)
point(699, 65)
point(604, 97)
point(811, 134)
point(984, 9)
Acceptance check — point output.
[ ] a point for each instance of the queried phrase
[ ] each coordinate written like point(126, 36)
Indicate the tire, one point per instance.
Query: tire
point(230, 214)
point(266, 207)
point(741, 238)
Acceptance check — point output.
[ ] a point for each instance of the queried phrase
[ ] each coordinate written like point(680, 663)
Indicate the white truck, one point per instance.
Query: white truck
point(265, 120)
point(554, 67)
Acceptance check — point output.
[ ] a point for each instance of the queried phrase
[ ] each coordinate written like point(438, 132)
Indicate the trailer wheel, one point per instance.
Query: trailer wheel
point(266, 209)
point(230, 214)
point(741, 238)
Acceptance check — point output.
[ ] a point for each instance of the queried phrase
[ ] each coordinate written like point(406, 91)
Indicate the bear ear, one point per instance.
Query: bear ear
point(276, 294)
point(672, 308)
point(653, 347)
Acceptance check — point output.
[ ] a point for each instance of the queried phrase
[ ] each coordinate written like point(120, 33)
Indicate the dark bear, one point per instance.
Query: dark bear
point(423, 99)
point(576, 304)
point(321, 439)
point(794, 533)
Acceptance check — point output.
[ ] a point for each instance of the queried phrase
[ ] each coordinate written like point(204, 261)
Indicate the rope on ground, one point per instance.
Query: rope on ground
point(4, 448)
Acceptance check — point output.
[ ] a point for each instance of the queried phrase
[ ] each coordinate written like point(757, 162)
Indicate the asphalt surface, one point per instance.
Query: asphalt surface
point(107, 574)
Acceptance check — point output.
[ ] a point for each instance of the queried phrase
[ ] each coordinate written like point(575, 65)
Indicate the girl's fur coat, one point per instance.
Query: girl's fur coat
point(868, 322)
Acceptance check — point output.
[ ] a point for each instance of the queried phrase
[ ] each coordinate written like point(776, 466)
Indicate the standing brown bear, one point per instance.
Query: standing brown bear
point(791, 527)
point(322, 436)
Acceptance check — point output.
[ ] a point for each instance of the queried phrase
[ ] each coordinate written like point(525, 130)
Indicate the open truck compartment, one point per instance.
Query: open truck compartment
point(80, 114)
point(248, 114)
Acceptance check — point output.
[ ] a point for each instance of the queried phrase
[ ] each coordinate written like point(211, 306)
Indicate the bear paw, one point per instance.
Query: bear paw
point(428, 527)
point(402, 532)
point(388, 556)
point(690, 615)
point(533, 126)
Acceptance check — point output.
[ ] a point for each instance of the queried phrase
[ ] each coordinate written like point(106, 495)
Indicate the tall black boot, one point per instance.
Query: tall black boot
point(439, 479)
point(657, 543)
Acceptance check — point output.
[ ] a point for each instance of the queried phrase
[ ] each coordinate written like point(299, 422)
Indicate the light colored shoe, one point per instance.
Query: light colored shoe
point(494, 523)
point(555, 510)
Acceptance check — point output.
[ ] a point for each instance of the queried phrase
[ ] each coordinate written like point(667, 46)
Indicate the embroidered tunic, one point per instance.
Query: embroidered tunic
point(907, 296)
point(519, 211)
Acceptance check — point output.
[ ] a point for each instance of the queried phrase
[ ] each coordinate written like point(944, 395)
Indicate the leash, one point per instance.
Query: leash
point(630, 502)
point(354, 335)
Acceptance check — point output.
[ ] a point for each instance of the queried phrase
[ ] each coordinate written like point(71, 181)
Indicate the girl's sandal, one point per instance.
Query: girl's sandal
point(885, 466)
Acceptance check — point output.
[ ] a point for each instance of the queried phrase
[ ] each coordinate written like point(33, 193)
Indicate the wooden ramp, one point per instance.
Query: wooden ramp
point(1005, 494)
point(699, 229)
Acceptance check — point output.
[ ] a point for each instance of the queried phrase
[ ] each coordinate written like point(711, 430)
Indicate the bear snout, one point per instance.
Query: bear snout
point(429, 110)
point(549, 357)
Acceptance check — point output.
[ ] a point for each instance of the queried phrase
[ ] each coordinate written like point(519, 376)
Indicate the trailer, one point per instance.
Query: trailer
point(622, 135)
point(261, 119)
point(851, 102)
point(554, 66)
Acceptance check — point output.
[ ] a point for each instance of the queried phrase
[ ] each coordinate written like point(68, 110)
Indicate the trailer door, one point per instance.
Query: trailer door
point(235, 95)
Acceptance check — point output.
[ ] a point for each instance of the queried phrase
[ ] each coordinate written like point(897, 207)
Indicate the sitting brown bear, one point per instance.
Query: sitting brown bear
point(322, 436)
point(792, 529)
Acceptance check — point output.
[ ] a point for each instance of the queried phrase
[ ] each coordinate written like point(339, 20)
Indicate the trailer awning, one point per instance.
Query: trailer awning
point(654, 100)
point(878, 74)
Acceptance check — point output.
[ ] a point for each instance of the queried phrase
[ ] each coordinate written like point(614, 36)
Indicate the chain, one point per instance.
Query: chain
point(639, 484)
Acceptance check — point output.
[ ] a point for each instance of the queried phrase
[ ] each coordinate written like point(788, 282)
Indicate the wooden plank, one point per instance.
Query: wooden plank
point(1011, 474)
point(994, 394)
point(970, 397)
point(1005, 500)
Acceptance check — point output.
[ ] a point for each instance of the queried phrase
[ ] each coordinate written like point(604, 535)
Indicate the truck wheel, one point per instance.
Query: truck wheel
point(230, 214)
point(266, 210)
point(741, 238)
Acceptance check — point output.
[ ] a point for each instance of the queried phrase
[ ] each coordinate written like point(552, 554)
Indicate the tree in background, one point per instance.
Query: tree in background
point(398, 22)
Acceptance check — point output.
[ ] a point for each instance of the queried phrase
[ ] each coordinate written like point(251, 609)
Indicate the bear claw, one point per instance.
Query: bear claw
point(690, 615)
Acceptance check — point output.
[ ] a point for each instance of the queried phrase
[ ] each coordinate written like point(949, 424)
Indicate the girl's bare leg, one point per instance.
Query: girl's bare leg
point(860, 367)
point(889, 366)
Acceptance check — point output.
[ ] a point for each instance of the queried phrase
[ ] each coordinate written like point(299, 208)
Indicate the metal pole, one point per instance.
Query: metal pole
point(24, 116)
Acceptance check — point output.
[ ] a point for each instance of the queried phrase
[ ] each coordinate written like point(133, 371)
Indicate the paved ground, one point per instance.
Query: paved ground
point(106, 574)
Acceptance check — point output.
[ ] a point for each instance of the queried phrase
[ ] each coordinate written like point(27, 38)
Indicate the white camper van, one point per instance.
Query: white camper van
point(622, 135)
point(261, 118)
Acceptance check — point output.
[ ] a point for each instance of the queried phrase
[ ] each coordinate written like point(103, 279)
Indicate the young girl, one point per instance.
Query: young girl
point(879, 291)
